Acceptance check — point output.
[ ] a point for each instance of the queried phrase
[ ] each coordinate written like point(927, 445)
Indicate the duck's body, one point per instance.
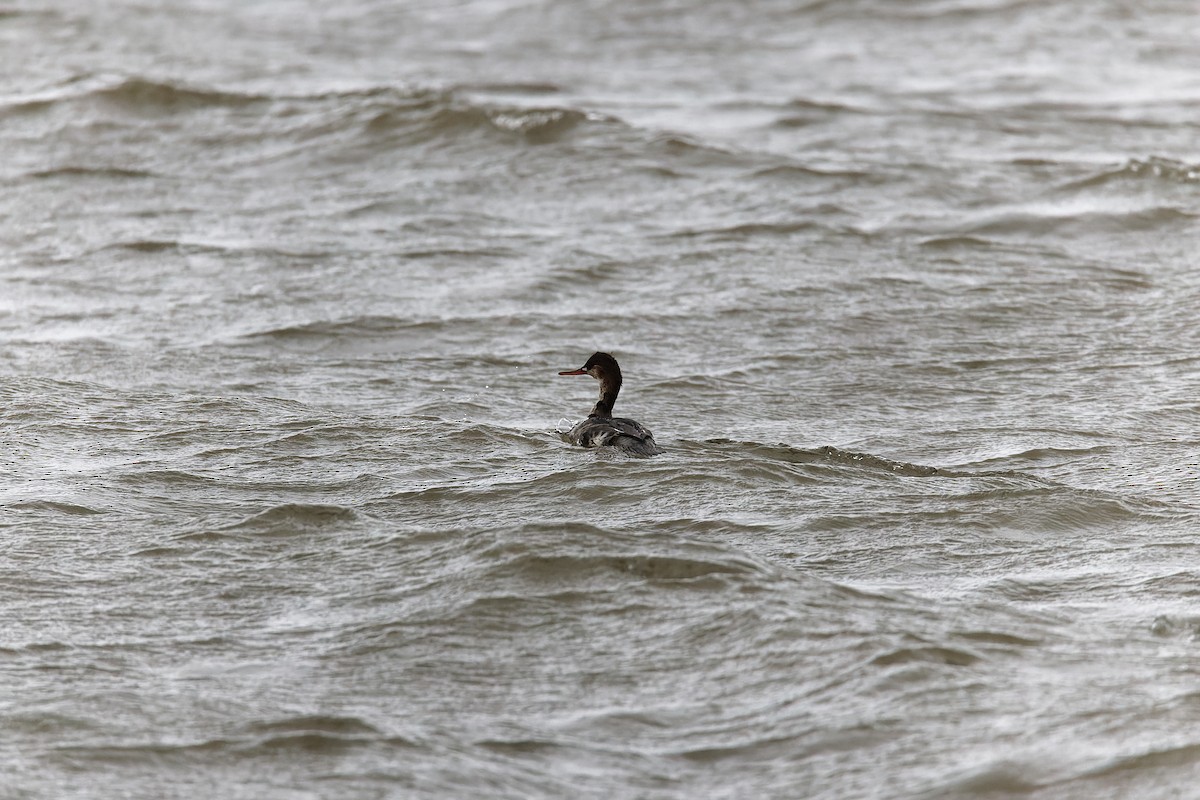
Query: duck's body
point(625, 434)
point(601, 428)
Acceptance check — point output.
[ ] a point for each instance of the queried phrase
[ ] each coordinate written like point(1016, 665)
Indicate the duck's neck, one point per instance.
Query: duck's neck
point(609, 386)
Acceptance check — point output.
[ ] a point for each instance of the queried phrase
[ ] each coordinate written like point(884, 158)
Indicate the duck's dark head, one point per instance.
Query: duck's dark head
point(600, 366)
point(603, 368)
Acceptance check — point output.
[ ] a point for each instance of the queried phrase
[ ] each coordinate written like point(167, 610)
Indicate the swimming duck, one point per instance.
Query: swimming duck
point(601, 428)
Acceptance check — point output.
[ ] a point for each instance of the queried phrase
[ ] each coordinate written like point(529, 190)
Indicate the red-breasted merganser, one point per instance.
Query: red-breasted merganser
point(601, 427)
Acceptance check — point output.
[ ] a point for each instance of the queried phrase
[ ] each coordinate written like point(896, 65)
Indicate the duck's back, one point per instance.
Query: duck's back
point(625, 434)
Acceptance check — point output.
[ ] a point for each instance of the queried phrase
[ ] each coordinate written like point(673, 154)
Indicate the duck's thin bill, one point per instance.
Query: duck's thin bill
point(580, 371)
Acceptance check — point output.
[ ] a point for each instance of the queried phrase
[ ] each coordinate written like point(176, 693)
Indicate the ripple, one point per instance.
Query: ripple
point(55, 506)
point(296, 517)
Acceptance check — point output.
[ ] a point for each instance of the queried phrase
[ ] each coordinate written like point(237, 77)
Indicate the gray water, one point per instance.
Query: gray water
point(906, 291)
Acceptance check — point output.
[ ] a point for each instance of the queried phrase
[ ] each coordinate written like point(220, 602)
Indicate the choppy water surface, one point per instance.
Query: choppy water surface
point(906, 291)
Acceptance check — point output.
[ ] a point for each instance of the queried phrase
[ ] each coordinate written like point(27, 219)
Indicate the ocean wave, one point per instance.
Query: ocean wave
point(1125, 767)
point(686, 151)
point(54, 506)
point(1182, 756)
point(927, 654)
point(748, 230)
point(957, 242)
point(511, 87)
point(326, 130)
point(799, 172)
point(190, 247)
point(1005, 778)
point(1057, 221)
point(173, 479)
point(312, 735)
point(130, 95)
point(1151, 170)
point(75, 173)
point(296, 517)
point(570, 554)
point(949, 11)
point(145, 95)
point(451, 119)
point(366, 325)
point(345, 122)
point(826, 455)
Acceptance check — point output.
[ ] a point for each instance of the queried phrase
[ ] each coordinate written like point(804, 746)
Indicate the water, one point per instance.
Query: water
point(906, 292)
